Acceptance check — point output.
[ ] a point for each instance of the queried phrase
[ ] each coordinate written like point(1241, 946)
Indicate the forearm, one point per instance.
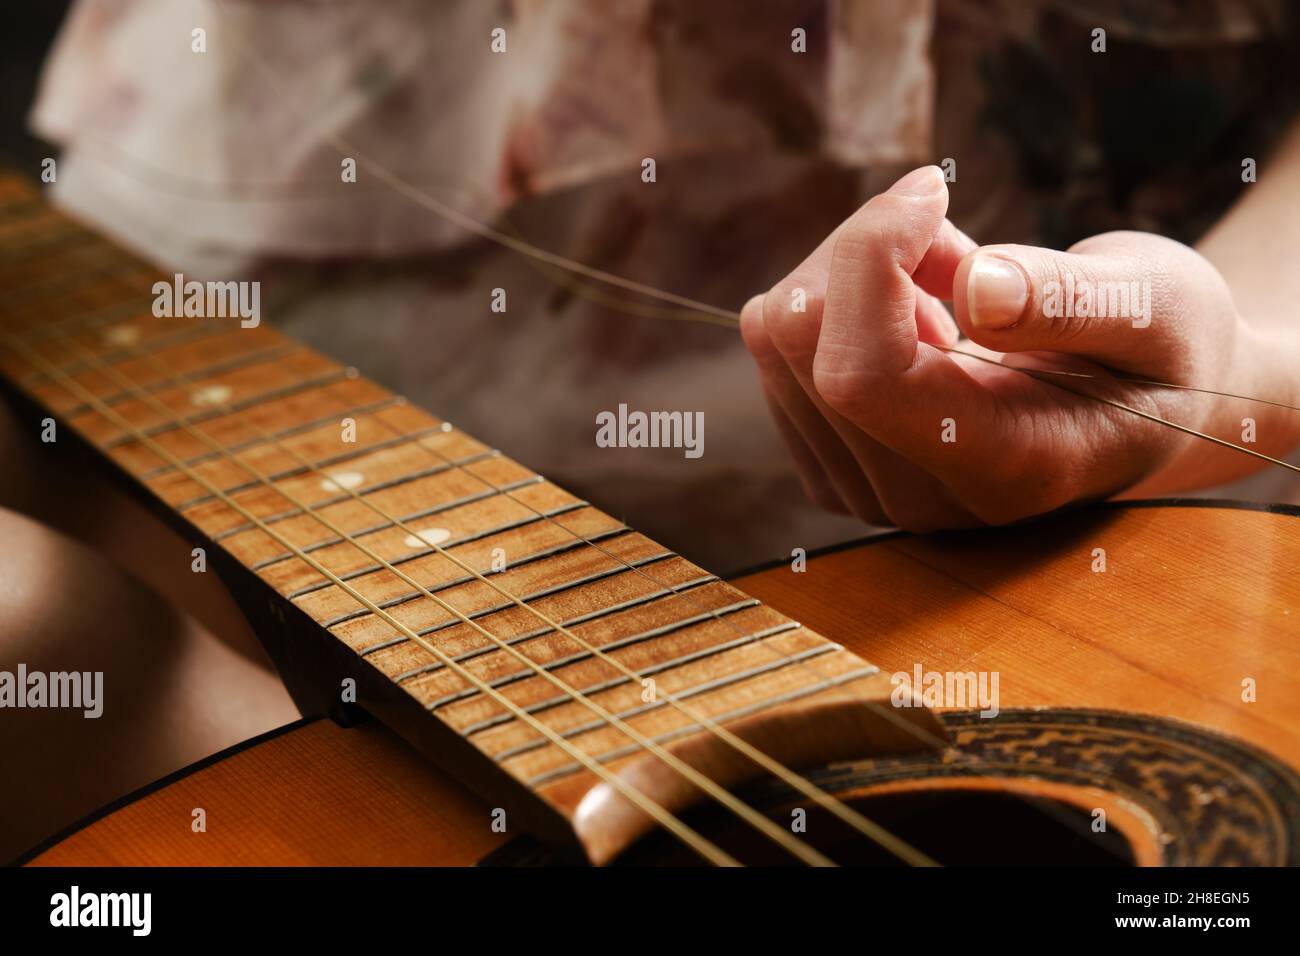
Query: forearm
point(1254, 247)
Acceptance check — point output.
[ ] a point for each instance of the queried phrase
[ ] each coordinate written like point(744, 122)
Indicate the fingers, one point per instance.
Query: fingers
point(817, 485)
point(872, 363)
point(829, 474)
point(933, 323)
point(938, 268)
point(1115, 298)
point(878, 485)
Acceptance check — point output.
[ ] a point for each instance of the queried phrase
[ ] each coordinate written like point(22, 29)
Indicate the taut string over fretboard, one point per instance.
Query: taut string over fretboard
point(169, 419)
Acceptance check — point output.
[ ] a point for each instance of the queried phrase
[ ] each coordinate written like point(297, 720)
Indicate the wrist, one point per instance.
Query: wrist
point(1261, 365)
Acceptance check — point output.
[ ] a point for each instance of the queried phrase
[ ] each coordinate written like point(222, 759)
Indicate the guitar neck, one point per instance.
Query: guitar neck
point(474, 605)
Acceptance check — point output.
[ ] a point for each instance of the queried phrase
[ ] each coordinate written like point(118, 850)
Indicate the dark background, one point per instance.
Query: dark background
point(27, 30)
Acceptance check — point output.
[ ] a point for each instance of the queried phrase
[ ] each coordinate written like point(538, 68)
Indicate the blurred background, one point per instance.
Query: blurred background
point(769, 123)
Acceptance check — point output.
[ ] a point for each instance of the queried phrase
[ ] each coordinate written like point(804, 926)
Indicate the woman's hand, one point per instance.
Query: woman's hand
point(885, 425)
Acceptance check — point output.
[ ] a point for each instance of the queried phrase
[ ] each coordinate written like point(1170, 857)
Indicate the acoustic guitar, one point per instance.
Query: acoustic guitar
point(495, 671)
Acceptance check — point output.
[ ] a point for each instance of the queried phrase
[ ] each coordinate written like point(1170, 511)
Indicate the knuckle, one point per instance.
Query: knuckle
point(842, 389)
point(864, 238)
point(791, 312)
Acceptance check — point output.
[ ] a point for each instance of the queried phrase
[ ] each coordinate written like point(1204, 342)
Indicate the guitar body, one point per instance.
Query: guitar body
point(1147, 668)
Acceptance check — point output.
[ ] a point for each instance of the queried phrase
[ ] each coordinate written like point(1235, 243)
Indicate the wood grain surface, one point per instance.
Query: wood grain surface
point(1194, 600)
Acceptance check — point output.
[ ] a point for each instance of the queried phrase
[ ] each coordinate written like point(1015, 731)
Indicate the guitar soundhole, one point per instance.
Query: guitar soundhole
point(1185, 796)
point(953, 827)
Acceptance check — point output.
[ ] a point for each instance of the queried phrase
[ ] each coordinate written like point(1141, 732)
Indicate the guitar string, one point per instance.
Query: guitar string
point(765, 825)
point(852, 817)
point(930, 739)
point(691, 838)
point(561, 262)
point(868, 828)
point(601, 276)
point(1045, 376)
point(908, 726)
point(722, 317)
point(717, 315)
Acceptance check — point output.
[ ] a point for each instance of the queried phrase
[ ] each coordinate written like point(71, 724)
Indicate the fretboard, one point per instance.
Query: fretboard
point(286, 462)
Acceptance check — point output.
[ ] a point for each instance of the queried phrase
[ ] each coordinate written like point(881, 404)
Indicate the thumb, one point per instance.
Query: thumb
point(1110, 298)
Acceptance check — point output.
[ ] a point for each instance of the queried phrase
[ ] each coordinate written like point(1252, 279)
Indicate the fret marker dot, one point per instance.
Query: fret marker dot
point(427, 537)
point(445, 426)
point(122, 335)
point(211, 395)
point(341, 480)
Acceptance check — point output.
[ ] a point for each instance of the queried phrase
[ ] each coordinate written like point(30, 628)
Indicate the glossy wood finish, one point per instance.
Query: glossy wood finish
point(318, 795)
point(1194, 601)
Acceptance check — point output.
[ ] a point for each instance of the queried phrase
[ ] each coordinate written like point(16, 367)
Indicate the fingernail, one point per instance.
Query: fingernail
point(925, 181)
point(996, 292)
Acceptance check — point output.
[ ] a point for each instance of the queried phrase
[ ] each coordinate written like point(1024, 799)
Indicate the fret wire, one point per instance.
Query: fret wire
point(298, 429)
point(222, 409)
point(455, 543)
point(335, 499)
point(83, 320)
point(847, 814)
point(532, 596)
point(451, 583)
point(699, 654)
point(371, 529)
point(686, 834)
point(336, 459)
point(582, 618)
point(508, 603)
point(381, 486)
point(778, 835)
point(233, 363)
point(572, 622)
